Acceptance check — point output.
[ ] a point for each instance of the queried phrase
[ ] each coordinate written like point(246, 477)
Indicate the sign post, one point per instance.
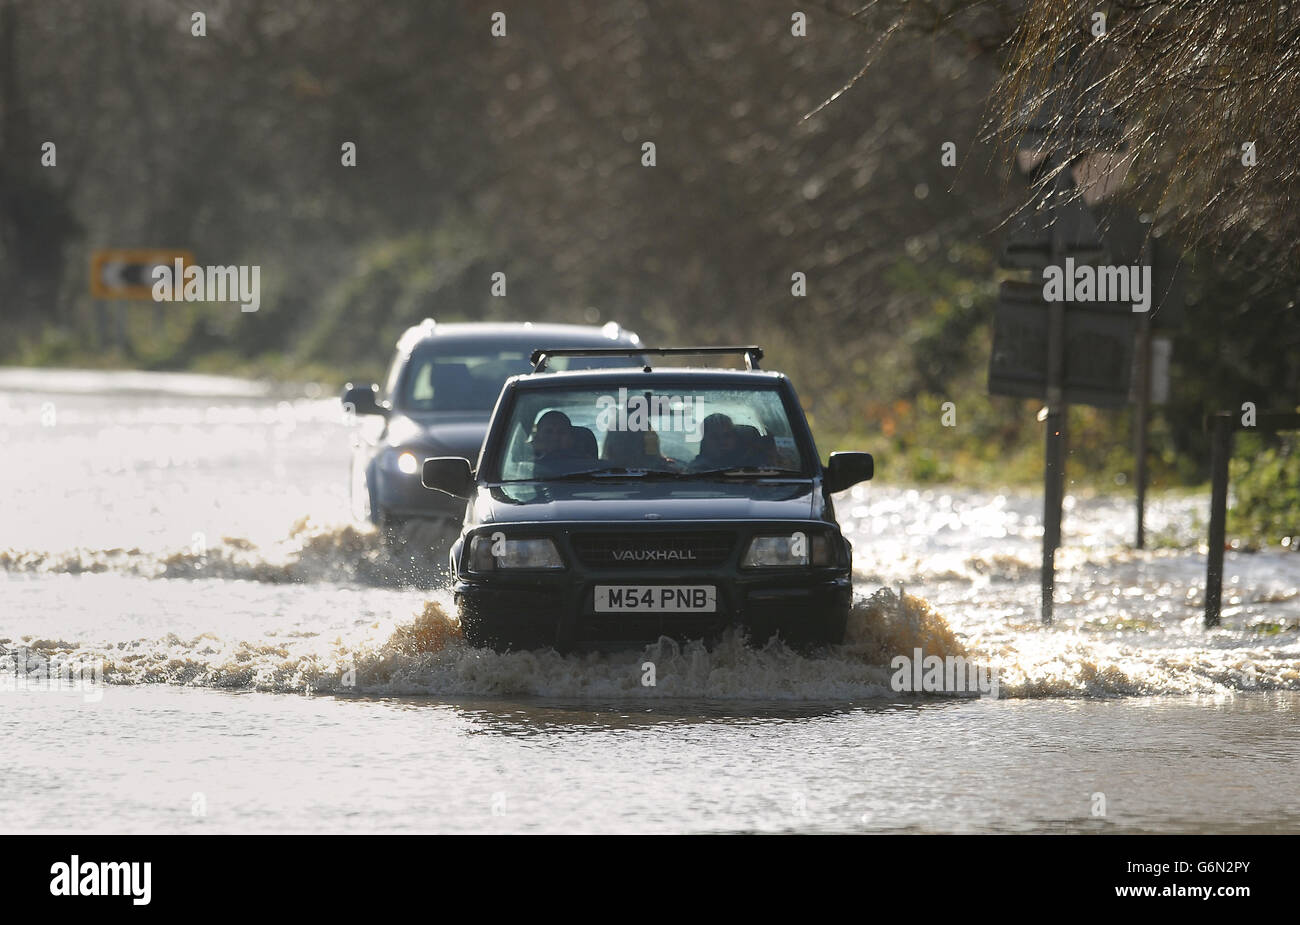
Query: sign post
point(1141, 413)
point(127, 274)
point(1133, 240)
point(1061, 352)
point(1220, 453)
point(1057, 415)
point(1086, 348)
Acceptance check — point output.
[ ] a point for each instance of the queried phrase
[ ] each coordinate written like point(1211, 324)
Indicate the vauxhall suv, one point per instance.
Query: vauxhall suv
point(616, 506)
point(439, 393)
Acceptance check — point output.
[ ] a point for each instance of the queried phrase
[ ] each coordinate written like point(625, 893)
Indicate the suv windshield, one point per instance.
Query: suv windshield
point(662, 432)
point(468, 376)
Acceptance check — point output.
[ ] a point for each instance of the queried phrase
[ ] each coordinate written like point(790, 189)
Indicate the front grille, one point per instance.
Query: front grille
point(684, 550)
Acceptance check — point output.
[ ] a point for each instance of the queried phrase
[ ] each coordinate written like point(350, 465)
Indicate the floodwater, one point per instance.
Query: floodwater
point(233, 654)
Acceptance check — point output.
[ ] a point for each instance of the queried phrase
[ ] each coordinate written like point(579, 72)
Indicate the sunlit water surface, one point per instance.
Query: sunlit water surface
point(265, 666)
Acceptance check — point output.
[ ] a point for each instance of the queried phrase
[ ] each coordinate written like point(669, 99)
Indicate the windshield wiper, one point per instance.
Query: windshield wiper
point(742, 472)
point(625, 472)
point(603, 473)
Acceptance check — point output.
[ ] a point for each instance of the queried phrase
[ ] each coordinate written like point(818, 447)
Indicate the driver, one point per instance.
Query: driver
point(552, 440)
point(718, 443)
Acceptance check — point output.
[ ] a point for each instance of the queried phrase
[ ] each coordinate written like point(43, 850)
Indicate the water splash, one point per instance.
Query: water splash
point(309, 553)
point(425, 654)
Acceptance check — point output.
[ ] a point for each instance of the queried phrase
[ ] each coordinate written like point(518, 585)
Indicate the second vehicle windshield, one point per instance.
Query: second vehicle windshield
point(467, 376)
point(667, 432)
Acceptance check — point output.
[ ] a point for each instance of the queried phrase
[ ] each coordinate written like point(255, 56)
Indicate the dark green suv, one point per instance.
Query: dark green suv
point(620, 505)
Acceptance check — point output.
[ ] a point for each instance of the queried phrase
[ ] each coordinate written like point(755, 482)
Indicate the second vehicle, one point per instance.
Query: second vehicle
point(441, 387)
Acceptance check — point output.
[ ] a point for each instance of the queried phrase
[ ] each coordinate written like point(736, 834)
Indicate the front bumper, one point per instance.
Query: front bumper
point(805, 606)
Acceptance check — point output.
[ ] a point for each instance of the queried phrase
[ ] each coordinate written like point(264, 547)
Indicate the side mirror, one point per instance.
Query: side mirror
point(362, 399)
point(451, 475)
point(844, 470)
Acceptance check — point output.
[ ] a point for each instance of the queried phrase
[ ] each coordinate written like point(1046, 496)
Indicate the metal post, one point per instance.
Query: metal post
point(1053, 491)
point(1054, 450)
point(1141, 418)
point(1220, 453)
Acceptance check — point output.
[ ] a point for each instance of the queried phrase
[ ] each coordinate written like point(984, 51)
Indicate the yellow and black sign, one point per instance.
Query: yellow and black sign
point(128, 274)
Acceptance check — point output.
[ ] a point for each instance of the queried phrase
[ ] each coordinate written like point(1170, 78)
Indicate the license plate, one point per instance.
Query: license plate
point(656, 599)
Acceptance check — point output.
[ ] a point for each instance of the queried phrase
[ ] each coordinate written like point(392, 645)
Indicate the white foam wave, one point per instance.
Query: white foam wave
point(426, 655)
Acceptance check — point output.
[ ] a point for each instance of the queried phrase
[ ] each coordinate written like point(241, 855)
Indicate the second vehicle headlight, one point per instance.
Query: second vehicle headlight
point(492, 551)
point(787, 550)
point(408, 464)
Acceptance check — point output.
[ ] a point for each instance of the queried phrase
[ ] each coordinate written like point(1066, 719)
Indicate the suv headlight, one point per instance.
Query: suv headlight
point(788, 550)
point(489, 551)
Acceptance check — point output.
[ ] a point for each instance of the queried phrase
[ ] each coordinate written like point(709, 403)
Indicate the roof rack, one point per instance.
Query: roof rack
point(751, 353)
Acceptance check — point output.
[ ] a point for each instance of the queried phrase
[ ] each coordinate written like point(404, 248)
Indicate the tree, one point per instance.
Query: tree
point(1208, 96)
